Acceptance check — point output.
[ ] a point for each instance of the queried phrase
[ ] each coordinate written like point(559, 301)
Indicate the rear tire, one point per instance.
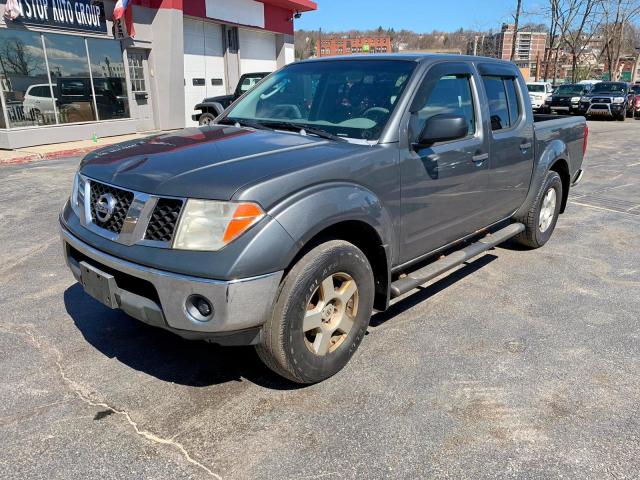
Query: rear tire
point(541, 219)
point(321, 313)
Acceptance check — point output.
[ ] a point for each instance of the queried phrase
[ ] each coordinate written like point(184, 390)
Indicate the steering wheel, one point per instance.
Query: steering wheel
point(374, 113)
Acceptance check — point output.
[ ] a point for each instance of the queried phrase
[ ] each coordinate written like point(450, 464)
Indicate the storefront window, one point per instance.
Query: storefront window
point(69, 67)
point(24, 80)
point(34, 96)
point(109, 80)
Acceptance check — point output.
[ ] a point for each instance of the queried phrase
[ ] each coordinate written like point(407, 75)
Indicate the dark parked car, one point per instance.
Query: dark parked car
point(332, 187)
point(566, 98)
point(636, 91)
point(211, 107)
point(609, 99)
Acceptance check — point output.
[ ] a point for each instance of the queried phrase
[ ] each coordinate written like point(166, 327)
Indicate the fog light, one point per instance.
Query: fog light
point(199, 308)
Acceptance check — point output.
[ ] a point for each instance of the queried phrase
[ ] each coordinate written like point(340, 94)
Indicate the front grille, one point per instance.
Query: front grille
point(163, 220)
point(123, 199)
point(601, 100)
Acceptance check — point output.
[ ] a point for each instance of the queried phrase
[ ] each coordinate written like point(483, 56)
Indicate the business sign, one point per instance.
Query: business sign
point(81, 15)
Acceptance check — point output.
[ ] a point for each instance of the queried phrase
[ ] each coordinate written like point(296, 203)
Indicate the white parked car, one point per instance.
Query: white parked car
point(539, 92)
point(38, 102)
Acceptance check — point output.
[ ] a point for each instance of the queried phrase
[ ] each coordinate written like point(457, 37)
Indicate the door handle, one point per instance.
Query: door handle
point(480, 158)
point(525, 146)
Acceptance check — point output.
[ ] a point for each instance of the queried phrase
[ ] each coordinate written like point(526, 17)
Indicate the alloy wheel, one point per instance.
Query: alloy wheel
point(548, 210)
point(330, 313)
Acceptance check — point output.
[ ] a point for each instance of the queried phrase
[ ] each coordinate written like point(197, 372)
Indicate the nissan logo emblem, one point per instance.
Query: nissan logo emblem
point(105, 207)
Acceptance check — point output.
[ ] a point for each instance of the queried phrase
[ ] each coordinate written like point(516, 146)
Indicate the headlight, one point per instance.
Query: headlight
point(618, 100)
point(77, 194)
point(585, 99)
point(210, 225)
point(575, 99)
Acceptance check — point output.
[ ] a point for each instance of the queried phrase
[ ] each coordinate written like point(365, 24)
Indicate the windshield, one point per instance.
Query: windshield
point(536, 88)
point(350, 99)
point(636, 89)
point(609, 87)
point(568, 89)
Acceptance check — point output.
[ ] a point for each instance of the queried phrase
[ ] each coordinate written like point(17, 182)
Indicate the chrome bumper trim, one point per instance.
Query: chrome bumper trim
point(239, 304)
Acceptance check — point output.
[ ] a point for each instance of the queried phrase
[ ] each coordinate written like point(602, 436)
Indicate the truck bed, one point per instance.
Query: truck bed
point(557, 132)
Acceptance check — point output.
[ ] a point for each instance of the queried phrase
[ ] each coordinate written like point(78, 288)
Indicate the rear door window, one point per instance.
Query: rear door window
point(504, 106)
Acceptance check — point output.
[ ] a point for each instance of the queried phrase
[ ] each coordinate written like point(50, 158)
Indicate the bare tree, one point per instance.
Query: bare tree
point(556, 37)
point(15, 58)
point(581, 20)
point(516, 22)
point(618, 33)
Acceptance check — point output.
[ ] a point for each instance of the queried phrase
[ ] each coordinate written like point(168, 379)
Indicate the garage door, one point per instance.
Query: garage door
point(257, 51)
point(203, 64)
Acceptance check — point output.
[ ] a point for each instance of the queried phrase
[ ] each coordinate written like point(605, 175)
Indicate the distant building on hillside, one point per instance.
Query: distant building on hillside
point(332, 46)
point(449, 51)
point(530, 46)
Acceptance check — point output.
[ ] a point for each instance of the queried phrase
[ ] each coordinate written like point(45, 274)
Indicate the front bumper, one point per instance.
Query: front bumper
point(602, 109)
point(536, 104)
point(159, 298)
point(562, 106)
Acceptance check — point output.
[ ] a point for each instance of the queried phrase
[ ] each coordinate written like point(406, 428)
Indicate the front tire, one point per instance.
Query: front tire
point(321, 314)
point(206, 119)
point(540, 221)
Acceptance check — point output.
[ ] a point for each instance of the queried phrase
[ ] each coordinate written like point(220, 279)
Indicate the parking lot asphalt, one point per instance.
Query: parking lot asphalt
point(521, 364)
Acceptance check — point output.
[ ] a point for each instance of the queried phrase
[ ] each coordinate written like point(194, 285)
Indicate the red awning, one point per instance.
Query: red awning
point(294, 5)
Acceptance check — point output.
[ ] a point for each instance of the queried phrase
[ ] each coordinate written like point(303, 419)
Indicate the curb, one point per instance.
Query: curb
point(34, 157)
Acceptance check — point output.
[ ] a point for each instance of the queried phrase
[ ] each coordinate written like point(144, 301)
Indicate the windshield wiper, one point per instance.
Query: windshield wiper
point(297, 127)
point(243, 122)
point(275, 125)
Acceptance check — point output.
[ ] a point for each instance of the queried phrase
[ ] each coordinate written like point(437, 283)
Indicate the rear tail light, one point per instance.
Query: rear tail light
point(585, 139)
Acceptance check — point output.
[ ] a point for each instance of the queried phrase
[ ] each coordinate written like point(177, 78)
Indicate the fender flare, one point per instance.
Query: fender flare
point(555, 151)
point(215, 106)
point(328, 204)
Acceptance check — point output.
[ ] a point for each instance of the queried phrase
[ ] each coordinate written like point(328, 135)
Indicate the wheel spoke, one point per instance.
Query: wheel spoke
point(327, 289)
point(346, 323)
point(313, 319)
point(348, 289)
point(322, 342)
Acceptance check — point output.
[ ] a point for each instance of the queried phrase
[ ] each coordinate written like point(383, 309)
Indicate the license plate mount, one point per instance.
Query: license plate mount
point(99, 285)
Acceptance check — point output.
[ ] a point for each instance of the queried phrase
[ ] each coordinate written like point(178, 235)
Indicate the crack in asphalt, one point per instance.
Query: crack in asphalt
point(80, 392)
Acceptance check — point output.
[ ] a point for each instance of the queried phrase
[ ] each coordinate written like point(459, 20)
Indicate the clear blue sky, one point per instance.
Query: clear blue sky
point(416, 15)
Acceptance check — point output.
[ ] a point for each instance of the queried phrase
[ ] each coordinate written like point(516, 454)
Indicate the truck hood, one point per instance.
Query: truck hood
point(564, 96)
point(207, 162)
point(219, 99)
point(607, 94)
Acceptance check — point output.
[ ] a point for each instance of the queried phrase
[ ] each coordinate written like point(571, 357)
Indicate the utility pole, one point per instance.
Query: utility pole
point(319, 47)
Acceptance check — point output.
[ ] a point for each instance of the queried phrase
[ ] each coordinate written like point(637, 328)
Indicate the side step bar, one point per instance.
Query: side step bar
point(437, 268)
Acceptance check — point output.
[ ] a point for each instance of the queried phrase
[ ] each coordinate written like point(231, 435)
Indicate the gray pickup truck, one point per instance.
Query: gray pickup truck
point(332, 187)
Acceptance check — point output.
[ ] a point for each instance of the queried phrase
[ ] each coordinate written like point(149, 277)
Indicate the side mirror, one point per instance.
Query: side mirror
point(442, 128)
